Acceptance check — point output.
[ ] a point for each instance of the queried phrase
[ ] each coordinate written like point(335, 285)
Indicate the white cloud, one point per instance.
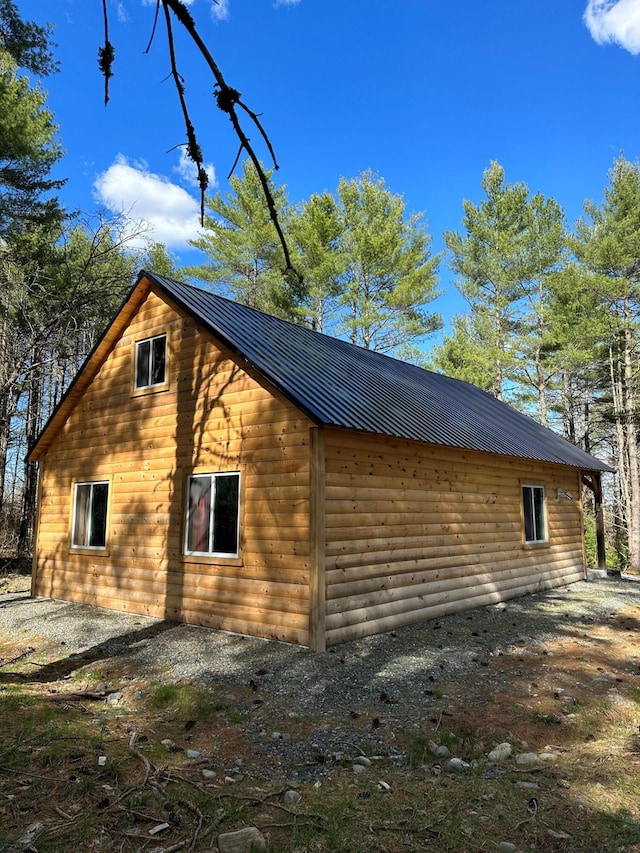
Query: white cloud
point(616, 21)
point(186, 169)
point(220, 10)
point(166, 211)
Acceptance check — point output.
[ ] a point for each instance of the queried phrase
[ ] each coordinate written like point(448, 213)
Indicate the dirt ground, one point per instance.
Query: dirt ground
point(574, 697)
point(531, 695)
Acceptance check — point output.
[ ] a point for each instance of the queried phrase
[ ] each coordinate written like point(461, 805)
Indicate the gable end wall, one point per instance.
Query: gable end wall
point(213, 416)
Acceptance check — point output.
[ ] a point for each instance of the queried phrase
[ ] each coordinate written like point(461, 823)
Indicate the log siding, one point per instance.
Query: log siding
point(343, 532)
point(415, 531)
point(212, 415)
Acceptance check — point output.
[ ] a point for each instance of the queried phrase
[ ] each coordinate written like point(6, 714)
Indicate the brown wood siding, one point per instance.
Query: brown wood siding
point(416, 531)
point(213, 416)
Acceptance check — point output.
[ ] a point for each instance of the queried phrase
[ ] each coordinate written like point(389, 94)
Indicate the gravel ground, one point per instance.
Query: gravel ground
point(399, 666)
point(302, 712)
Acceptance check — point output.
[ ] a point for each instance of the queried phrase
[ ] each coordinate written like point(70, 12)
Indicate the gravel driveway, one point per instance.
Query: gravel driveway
point(299, 713)
point(400, 666)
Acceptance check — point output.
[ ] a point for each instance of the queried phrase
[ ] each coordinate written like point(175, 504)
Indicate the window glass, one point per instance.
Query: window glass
point(198, 527)
point(151, 357)
point(225, 517)
point(158, 351)
point(143, 360)
point(213, 514)
point(90, 515)
point(81, 520)
point(98, 535)
point(533, 512)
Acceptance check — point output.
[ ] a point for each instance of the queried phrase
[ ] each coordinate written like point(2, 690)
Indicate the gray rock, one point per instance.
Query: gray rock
point(359, 768)
point(291, 798)
point(208, 774)
point(500, 753)
point(443, 751)
point(247, 840)
point(506, 847)
point(193, 753)
point(114, 698)
point(527, 759)
point(456, 765)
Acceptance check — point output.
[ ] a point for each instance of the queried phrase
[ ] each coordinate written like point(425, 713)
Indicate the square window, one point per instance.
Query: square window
point(151, 359)
point(213, 514)
point(90, 515)
point(535, 527)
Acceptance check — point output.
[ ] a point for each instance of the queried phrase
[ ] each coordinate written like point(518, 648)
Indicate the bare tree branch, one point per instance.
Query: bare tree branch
point(106, 54)
point(228, 100)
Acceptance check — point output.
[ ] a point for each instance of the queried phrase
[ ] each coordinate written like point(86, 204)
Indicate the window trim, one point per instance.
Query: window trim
point(544, 540)
point(234, 558)
point(86, 548)
point(155, 386)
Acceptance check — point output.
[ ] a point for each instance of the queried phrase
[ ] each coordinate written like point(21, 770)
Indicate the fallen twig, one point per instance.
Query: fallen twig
point(24, 654)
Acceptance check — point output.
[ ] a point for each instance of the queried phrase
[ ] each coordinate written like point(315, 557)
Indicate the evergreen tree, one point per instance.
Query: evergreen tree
point(608, 245)
point(315, 234)
point(157, 259)
point(244, 254)
point(27, 43)
point(28, 151)
point(537, 367)
point(491, 260)
point(464, 355)
point(390, 274)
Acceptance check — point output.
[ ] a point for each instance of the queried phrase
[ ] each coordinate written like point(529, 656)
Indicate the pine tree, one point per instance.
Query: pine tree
point(390, 274)
point(608, 245)
point(244, 254)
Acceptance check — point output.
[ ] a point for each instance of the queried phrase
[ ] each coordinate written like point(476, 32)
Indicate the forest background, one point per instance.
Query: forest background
point(546, 314)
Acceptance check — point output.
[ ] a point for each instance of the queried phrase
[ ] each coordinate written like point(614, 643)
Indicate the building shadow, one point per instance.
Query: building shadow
point(117, 646)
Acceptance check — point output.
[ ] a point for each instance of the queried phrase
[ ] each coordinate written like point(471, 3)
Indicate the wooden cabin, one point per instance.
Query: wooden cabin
point(216, 465)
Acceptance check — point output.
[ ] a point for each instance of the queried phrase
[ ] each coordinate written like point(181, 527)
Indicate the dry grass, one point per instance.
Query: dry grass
point(97, 777)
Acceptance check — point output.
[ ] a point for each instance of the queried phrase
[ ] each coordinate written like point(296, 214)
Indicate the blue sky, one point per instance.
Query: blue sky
point(424, 92)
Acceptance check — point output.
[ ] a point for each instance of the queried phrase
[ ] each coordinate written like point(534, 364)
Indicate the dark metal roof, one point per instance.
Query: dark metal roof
point(339, 384)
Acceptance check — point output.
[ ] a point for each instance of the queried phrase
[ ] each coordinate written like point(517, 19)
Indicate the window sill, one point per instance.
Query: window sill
point(92, 552)
point(152, 389)
point(212, 560)
point(535, 545)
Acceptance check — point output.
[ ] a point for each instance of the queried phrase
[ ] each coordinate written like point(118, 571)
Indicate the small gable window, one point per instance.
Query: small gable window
point(535, 526)
point(213, 514)
point(151, 362)
point(90, 515)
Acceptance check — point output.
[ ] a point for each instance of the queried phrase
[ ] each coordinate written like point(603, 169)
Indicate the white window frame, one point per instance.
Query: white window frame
point(148, 384)
point(89, 520)
point(529, 516)
point(213, 479)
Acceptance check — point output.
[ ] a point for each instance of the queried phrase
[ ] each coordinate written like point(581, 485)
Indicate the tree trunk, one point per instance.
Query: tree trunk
point(631, 436)
point(30, 488)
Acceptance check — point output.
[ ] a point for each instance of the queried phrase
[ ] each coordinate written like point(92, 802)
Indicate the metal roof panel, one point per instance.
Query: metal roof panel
point(339, 384)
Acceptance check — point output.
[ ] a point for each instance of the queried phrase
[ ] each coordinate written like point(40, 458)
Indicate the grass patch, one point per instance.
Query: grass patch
point(186, 701)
